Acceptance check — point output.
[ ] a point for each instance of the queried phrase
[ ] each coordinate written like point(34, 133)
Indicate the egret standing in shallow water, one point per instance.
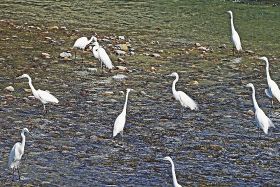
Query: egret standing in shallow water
point(82, 42)
point(273, 89)
point(100, 54)
point(262, 120)
point(184, 99)
point(16, 153)
point(175, 183)
point(120, 121)
point(44, 96)
point(234, 35)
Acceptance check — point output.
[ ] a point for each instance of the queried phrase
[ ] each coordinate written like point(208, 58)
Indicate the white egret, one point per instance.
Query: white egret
point(184, 99)
point(175, 183)
point(82, 42)
point(262, 120)
point(273, 89)
point(234, 35)
point(44, 96)
point(120, 121)
point(17, 152)
point(100, 54)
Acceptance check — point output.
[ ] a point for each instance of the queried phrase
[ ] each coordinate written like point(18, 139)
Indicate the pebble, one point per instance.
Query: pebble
point(122, 68)
point(155, 55)
point(201, 48)
point(10, 89)
point(121, 37)
point(119, 77)
point(107, 93)
point(46, 55)
point(249, 52)
point(223, 46)
point(122, 47)
point(120, 59)
point(92, 69)
point(65, 55)
point(2, 59)
point(120, 52)
point(197, 44)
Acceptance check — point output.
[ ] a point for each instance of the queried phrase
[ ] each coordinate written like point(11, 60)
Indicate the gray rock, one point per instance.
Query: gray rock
point(121, 37)
point(155, 55)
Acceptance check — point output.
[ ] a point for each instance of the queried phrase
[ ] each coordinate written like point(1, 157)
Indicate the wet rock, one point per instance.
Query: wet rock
point(63, 28)
point(122, 47)
point(153, 69)
point(54, 28)
point(143, 93)
point(122, 68)
point(121, 37)
point(2, 59)
point(195, 82)
point(155, 55)
point(203, 48)
point(46, 55)
point(65, 55)
point(48, 38)
point(119, 77)
point(120, 52)
point(35, 58)
point(197, 44)
point(131, 53)
point(10, 89)
point(250, 112)
point(92, 69)
point(223, 46)
point(121, 92)
point(108, 93)
point(121, 60)
point(160, 51)
point(249, 51)
point(27, 90)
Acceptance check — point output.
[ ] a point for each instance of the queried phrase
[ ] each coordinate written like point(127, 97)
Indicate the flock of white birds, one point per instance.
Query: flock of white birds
point(99, 53)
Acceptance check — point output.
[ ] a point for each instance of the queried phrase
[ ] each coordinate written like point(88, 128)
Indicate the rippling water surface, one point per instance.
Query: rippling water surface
point(72, 145)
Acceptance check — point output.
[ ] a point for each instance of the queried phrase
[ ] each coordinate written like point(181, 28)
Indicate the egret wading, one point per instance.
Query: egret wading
point(234, 35)
point(44, 96)
point(262, 120)
point(82, 42)
point(16, 153)
point(120, 121)
point(273, 89)
point(100, 54)
point(184, 99)
point(175, 183)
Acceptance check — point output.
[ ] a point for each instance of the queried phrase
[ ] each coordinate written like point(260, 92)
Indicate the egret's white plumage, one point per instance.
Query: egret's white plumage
point(184, 99)
point(262, 120)
point(120, 121)
point(82, 42)
point(273, 89)
point(44, 96)
point(100, 54)
point(234, 35)
point(175, 183)
point(17, 152)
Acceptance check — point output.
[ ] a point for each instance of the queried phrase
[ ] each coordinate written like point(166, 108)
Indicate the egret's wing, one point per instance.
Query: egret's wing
point(263, 121)
point(14, 154)
point(80, 43)
point(186, 101)
point(275, 90)
point(119, 124)
point(47, 97)
point(105, 58)
point(236, 41)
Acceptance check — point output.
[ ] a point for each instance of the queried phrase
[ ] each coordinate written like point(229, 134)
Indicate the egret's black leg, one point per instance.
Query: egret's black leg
point(18, 174)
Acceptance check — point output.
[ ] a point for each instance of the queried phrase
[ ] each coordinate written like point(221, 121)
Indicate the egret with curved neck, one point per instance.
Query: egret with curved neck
point(100, 54)
point(44, 96)
point(273, 89)
point(183, 98)
point(262, 120)
point(17, 152)
point(234, 35)
point(175, 183)
point(120, 120)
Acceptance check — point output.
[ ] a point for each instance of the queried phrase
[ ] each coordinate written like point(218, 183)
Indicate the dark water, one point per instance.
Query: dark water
point(72, 145)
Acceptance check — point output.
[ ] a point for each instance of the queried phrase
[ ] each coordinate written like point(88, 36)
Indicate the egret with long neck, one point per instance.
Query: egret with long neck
point(120, 120)
point(273, 89)
point(44, 96)
point(82, 42)
point(17, 152)
point(234, 35)
point(262, 120)
point(175, 183)
point(183, 98)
